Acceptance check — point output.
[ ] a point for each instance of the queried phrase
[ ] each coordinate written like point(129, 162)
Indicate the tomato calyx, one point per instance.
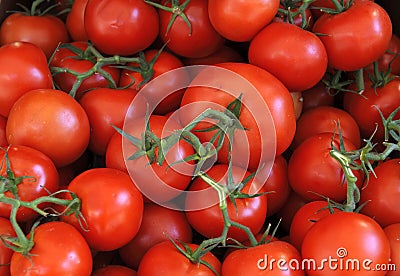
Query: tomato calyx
point(35, 10)
point(177, 10)
point(290, 9)
point(381, 78)
point(340, 6)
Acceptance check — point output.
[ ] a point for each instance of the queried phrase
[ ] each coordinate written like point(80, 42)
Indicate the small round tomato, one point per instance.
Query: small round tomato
point(119, 27)
point(41, 178)
point(390, 58)
point(59, 249)
point(111, 205)
point(114, 270)
point(392, 232)
point(224, 54)
point(18, 61)
point(287, 212)
point(3, 137)
point(159, 224)
point(52, 122)
point(172, 262)
point(6, 231)
point(318, 95)
point(75, 21)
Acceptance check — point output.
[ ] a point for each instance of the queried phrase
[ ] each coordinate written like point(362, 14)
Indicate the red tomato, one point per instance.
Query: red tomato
point(266, 95)
point(316, 96)
point(42, 178)
point(75, 21)
point(3, 138)
point(158, 224)
point(287, 212)
point(199, 40)
point(278, 48)
point(305, 218)
point(353, 241)
point(204, 206)
point(224, 54)
point(297, 98)
point(80, 63)
point(390, 57)
point(345, 38)
point(18, 61)
point(119, 27)
point(105, 108)
point(325, 119)
point(273, 258)
point(6, 230)
point(114, 270)
point(392, 232)
point(314, 172)
point(111, 206)
point(241, 20)
point(59, 250)
point(165, 62)
point(381, 193)
point(45, 31)
point(364, 108)
point(52, 122)
point(114, 157)
point(172, 262)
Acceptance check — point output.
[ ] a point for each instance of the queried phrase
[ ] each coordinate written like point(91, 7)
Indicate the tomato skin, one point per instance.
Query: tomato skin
point(278, 47)
point(318, 95)
point(55, 243)
point(287, 212)
point(202, 207)
point(3, 138)
point(239, 20)
point(325, 119)
point(114, 270)
point(75, 21)
point(159, 224)
point(360, 237)
point(52, 122)
point(171, 262)
point(18, 61)
point(26, 161)
point(105, 107)
point(6, 230)
point(313, 170)
point(382, 193)
point(204, 39)
point(345, 38)
point(257, 260)
point(112, 221)
point(116, 26)
point(392, 232)
point(223, 54)
point(44, 31)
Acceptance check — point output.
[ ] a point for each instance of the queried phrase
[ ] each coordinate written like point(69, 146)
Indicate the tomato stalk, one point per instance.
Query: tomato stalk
point(292, 9)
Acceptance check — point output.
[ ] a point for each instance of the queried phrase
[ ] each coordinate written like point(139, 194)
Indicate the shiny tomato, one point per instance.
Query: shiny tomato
point(279, 46)
point(317, 95)
point(6, 231)
point(224, 54)
point(45, 31)
point(114, 270)
point(18, 61)
point(381, 193)
point(200, 39)
point(392, 232)
point(119, 27)
point(345, 38)
point(59, 249)
point(241, 20)
point(204, 206)
point(105, 107)
point(41, 178)
point(3, 138)
point(112, 208)
point(159, 224)
point(75, 21)
point(287, 212)
point(353, 241)
point(52, 122)
point(172, 262)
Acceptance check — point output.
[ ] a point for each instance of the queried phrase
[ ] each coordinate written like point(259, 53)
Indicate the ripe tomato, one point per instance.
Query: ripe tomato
point(325, 119)
point(314, 172)
point(297, 98)
point(204, 206)
point(199, 40)
point(351, 241)
point(80, 63)
point(3, 138)
point(105, 107)
point(59, 250)
point(316, 96)
point(75, 21)
point(119, 27)
point(114, 270)
point(279, 46)
point(52, 122)
point(381, 193)
point(111, 206)
point(345, 38)
point(172, 262)
point(390, 57)
point(287, 212)
point(6, 230)
point(392, 232)
point(273, 258)
point(159, 224)
point(18, 61)
point(224, 54)
point(42, 178)
point(241, 20)
point(45, 31)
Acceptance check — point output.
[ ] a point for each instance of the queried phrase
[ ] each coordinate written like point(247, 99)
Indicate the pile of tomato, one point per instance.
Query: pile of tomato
point(199, 137)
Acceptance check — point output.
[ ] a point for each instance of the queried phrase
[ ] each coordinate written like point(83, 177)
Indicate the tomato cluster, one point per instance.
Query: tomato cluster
point(199, 137)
